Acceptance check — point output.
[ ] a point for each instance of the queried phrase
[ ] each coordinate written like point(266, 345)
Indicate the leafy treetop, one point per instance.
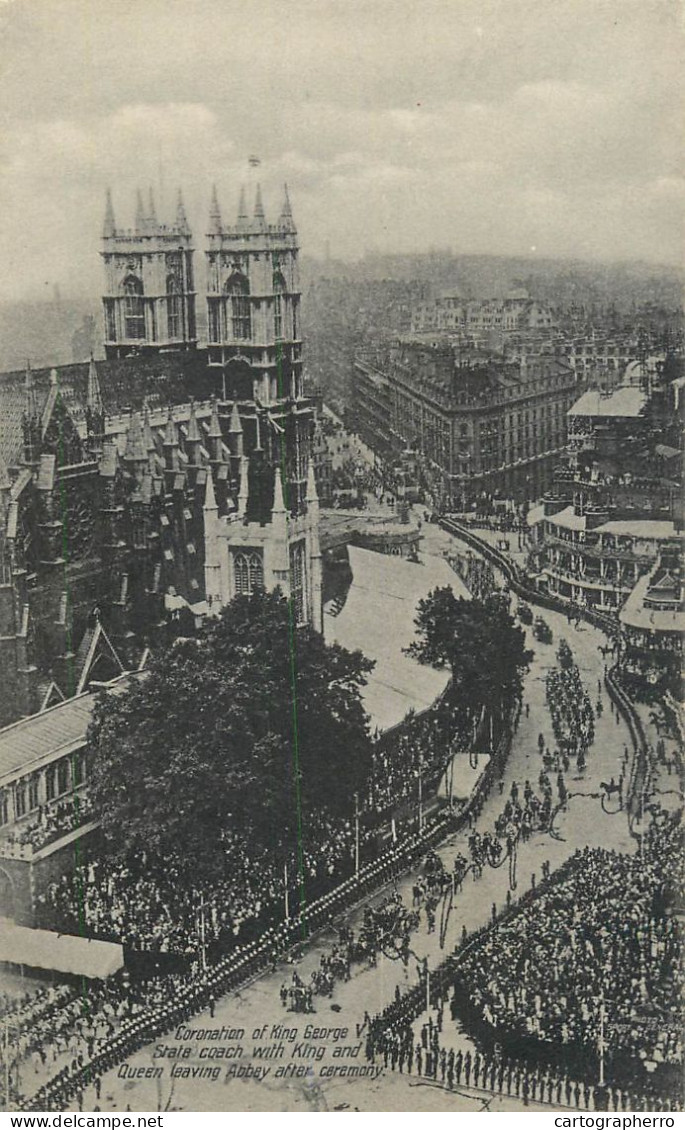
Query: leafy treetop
point(255, 729)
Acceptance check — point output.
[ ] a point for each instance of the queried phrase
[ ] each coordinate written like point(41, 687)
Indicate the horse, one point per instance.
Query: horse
point(611, 787)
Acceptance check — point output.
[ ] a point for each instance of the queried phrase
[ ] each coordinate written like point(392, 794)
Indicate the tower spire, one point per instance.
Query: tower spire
point(243, 489)
point(235, 432)
point(170, 433)
point(214, 214)
point(312, 496)
point(210, 496)
point(31, 404)
point(94, 395)
point(286, 216)
point(152, 214)
point(259, 206)
point(148, 438)
point(235, 426)
point(181, 218)
point(193, 433)
point(109, 226)
point(214, 434)
point(258, 432)
point(193, 438)
point(140, 211)
point(135, 449)
point(242, 207)
point(279, 505)
point(170, 442)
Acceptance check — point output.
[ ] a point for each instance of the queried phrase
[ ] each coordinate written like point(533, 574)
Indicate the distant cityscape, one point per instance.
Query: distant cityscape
point(298, 438)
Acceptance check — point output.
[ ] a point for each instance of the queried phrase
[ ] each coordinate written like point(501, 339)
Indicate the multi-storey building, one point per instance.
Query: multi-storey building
point(480, 424)
point(653, 624)
point(517, 312)
point(127, 485)
point(616, 504)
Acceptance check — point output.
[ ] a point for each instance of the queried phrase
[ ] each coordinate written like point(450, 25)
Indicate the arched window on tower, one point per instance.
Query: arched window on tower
point(279, 288)
point(256, 572)
point(110, 320)
point(134, 310)
point(173, 289)
point(297, 580)
point(238, 288)
point(248, 573)
point(214, 319)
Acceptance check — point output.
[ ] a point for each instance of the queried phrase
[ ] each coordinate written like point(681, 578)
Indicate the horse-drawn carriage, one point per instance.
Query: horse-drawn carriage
point(542, 630)
point(524, 613)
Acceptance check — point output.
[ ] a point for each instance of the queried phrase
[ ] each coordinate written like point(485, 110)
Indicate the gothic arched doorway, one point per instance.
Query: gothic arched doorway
point(6, 895)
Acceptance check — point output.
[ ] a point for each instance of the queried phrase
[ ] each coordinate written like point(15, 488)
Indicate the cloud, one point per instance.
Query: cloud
point(487, 125)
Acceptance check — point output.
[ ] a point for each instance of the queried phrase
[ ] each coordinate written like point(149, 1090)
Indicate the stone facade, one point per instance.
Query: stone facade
point(110, 472)
point(616, 503)
point(149, 300)
point(480, 424)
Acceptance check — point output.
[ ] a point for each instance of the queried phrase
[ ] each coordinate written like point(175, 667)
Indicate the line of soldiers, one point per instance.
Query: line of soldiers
point(235, 970)
point(428, 1058)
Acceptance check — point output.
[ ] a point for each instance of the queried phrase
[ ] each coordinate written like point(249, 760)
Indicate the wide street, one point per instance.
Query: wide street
point(257, 1008)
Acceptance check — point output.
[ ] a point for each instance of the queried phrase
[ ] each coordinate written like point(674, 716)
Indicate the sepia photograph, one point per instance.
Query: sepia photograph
point(342, 572)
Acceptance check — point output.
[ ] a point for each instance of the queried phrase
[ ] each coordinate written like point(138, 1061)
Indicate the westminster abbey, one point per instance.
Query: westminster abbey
point(140, 493)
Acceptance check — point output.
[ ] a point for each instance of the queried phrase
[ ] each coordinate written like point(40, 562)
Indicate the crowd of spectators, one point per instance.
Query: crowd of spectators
point(594, 957)
point(477, 574)
point(420, 747)
point(49, 823)
point(145, 904)
point(129, 1014)
point(392, 1040)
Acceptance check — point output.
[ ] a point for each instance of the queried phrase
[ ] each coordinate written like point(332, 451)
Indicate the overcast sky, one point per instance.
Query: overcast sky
point(543, 127)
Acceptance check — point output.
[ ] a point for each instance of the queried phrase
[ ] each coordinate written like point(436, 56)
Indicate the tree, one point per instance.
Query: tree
point(254, 729)
point(479, 642)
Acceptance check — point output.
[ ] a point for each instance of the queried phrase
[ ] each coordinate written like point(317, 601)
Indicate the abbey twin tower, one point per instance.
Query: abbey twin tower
point(140, 493)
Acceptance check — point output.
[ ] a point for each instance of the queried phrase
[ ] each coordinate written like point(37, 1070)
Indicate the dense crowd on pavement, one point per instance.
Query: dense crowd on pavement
point(48, 824)
point(128, 1014)
point(392, 1040)
point(572, 929)
point(119, 1019)
point(477, 574)
point(598, 949)
point(528, 991)
point(27, 1017)
point(419, 747)
point(145, 904)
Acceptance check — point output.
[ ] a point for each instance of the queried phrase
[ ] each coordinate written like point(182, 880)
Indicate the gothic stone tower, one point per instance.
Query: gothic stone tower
point(149, 304)
point(242, 555)
point(253, 303)
point(254, 336)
